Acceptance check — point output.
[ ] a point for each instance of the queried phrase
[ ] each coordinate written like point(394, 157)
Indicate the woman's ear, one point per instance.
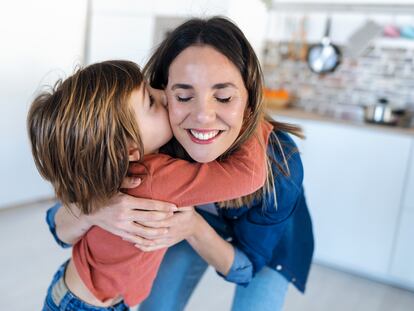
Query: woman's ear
point(133, 155)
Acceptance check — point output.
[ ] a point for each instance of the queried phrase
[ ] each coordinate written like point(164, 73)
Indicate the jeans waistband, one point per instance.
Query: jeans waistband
point(62, 297)
point(59, 289)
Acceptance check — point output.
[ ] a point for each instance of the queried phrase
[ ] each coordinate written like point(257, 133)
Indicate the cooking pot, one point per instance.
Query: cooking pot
point(383, 113)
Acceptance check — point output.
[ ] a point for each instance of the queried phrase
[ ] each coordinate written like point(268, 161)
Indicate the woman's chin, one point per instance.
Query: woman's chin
point(203, 157)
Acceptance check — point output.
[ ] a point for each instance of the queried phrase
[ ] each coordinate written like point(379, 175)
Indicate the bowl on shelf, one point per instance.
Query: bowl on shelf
point(276, 98)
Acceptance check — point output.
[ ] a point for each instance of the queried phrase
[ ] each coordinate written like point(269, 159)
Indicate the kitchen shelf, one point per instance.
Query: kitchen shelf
point(394, 42)
point(403, 7)
point(313, 116)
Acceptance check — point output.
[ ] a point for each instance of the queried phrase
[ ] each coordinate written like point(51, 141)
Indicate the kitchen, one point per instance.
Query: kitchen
point(370, 200)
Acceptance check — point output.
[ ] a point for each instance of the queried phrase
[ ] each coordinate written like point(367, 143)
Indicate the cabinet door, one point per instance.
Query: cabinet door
point(403, 262)
point(121, 36)
point(354, 179)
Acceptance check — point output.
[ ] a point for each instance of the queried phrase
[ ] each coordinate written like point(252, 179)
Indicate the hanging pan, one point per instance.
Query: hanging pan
point(324, 57)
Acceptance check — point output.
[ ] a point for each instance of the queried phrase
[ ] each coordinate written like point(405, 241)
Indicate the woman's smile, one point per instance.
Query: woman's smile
point(203, 136)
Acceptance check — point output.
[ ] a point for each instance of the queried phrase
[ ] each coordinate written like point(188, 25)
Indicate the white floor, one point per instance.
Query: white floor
point(29, 257)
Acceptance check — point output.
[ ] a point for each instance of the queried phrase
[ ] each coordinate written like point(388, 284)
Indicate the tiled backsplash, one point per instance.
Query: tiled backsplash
point(386, 69)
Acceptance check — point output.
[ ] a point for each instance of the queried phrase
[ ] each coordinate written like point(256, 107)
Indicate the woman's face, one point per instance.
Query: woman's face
point(206, 102)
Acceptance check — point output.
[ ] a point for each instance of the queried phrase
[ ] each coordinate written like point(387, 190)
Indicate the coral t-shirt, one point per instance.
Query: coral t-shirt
point(111, 267)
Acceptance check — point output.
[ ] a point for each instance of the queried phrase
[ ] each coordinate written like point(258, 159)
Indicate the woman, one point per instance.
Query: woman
point(261, 242)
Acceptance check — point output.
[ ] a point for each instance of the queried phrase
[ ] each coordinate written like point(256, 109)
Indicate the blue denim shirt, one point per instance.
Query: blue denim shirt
point(276, 232)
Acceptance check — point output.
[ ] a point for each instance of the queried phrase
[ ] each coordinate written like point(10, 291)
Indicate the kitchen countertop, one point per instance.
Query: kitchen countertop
point(313, 116)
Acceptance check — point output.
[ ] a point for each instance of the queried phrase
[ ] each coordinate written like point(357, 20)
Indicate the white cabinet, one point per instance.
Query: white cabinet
point(402, 267)
point(354, 180)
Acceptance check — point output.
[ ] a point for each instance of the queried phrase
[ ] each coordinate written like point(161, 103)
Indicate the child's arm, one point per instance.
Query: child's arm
point(184, 183)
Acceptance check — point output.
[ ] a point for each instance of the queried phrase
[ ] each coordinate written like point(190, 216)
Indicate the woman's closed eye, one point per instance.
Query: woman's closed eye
point(183, 98)
point(223, 99)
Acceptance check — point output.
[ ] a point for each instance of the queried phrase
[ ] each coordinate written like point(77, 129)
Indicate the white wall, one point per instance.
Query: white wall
point(43, 40)
point(40, 41)
point(126, 29)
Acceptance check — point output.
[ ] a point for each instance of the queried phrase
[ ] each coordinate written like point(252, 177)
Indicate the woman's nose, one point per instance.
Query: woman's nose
point(205, 112)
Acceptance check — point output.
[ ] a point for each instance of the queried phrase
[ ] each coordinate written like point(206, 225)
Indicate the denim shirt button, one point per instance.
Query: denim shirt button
point(279, 267)
point(229, 239)
point(235, 217)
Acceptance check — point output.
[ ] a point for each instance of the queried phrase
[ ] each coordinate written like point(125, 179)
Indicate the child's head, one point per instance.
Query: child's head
point(85, 131)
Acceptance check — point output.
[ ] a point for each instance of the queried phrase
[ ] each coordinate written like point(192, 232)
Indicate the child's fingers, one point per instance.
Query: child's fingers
point(137, 240)
point(153, 205)
point(147, 232)
point(150, 248)
point(185, 208)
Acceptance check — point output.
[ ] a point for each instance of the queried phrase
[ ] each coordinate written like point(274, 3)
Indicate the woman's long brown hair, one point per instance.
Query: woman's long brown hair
point(224, 36)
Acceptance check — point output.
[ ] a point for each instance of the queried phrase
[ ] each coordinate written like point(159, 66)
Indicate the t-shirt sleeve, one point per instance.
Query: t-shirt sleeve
point(184, 183)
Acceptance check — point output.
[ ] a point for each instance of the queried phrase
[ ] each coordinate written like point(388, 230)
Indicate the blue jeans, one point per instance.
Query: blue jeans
point(59, 297)
point(182, 269)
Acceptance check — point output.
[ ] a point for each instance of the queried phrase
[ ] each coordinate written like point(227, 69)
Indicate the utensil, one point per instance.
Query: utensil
point(407, 32)
point(361, 38)
point(391, 31)
point(303, 39)
point(383, 113)
point(324, 57)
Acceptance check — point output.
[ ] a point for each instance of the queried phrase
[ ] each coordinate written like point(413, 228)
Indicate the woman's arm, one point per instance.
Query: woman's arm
point(212, 247)
point(190, 225)
point(69, 227)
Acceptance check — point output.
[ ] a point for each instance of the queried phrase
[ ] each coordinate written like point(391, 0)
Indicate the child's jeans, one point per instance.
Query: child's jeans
point(60, 298)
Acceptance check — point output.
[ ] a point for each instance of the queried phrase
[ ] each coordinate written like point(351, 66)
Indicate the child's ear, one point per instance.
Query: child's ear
point(133, 155)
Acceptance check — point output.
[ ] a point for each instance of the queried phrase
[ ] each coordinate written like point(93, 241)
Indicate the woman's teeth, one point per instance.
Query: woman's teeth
point(204, 135)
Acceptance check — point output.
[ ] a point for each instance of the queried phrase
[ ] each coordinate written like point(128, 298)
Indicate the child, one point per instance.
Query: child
point(84, 135)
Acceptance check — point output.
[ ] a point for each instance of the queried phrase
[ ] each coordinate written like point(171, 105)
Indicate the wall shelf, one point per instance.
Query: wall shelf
point(402, 7)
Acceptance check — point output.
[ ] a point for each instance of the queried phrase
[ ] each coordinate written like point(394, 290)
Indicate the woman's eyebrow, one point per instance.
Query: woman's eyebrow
point(224, 85)
point(216, 86)
point(182, 86)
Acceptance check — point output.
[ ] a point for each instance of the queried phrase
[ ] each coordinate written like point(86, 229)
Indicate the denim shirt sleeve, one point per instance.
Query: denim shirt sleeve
point(50, 220)
point(241, 271)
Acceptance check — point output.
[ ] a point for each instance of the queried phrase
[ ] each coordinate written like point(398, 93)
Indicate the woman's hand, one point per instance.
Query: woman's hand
point(182, 225)
point(124, 215)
